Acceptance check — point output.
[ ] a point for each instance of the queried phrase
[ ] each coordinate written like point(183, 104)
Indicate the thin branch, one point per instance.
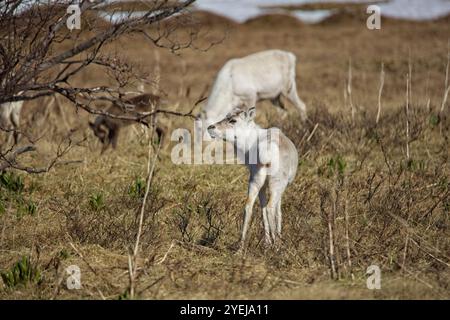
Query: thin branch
point(408, 77)
point(132, 260)
point(349, 89)
point(380, 91)
point(447, 86)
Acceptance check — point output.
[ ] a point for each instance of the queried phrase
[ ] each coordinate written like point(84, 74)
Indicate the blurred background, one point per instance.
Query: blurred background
point(313, 11)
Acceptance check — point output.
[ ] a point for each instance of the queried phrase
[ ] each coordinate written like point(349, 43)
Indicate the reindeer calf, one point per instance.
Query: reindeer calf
point(272, 160)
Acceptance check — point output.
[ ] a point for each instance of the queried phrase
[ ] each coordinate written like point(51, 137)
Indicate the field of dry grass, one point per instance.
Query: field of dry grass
point(354, 176)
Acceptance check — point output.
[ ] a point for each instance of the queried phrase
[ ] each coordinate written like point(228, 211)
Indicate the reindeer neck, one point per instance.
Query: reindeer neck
point(247, 137)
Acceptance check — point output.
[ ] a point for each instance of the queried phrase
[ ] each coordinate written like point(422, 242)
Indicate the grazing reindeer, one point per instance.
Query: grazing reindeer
point(107, 129)
point(265, 75)
point(10, 119)
point(275, 161)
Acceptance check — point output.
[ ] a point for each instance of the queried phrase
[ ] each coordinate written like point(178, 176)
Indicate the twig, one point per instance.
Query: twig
point(198, 247)
point(331, 245)
point(151, 284)
point(407, 115)
point(328, 215)
point(347, 240)
point(431, 255)
point(412, 232)
point(444, 101)
point(10, 158)
point(405, 250)
point(94, 271)
point(397, 263)
point(83, 258)
point(447, 86)
point(72, 93)
point(349, 89)
point(312, 132)
point(427, 92)
point(167, 253)
point(157, 72)
point(132, 260)
point(380, 91)
point(286, 280)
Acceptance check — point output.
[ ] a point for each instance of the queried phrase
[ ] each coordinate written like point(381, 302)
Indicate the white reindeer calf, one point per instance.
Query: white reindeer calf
point(272, 160)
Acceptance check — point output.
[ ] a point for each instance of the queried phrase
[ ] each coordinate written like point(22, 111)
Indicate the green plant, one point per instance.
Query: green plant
point(434, 120)
point(416, 165)
point(137, 188)
point(444, 183)
point(23, 272)
point(34, 186)
point(334, 165)
point(11, 182)
point(124, 295)
point(97, 201)
point(63, 254)
point(26, 208)
point(341, 165)
point(31, 208)
point(446, 206)
point(372, 134)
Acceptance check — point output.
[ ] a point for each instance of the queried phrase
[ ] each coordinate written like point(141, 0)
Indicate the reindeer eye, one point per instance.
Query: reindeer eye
point(232, 121)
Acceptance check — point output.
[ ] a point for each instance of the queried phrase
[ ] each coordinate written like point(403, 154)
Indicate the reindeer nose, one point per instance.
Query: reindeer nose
point(211, 127)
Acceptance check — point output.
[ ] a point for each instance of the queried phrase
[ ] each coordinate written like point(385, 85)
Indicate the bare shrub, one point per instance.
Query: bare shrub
point(114, 223)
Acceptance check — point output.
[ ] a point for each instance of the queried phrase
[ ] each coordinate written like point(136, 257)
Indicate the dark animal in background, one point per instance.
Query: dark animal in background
point(107, 129)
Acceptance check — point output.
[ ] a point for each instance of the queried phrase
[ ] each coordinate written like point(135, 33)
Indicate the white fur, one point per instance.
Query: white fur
point(10, 118)
point(245, 81)
point(275, 166)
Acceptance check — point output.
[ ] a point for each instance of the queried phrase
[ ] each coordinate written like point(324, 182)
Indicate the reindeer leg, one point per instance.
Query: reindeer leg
point(274, 211)
point(104, 147)
point(293, 97)
point(257, 180)
point(111, 139)
point(10, 136)
point(278, 218)
point(15, 119)
point(114, 136)
point(263, 204)
point(278, 103)
point(280, 106)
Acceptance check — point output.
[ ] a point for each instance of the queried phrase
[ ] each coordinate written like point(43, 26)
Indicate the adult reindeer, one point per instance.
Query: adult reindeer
point(265, 75)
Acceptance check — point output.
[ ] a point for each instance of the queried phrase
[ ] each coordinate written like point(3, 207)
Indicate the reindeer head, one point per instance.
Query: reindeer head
point(240, 119)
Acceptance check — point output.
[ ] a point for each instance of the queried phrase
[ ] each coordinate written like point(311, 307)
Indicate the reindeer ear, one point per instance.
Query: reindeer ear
point(251, 113)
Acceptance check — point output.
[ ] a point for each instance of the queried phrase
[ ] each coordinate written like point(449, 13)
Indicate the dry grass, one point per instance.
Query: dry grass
point(398, 210)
